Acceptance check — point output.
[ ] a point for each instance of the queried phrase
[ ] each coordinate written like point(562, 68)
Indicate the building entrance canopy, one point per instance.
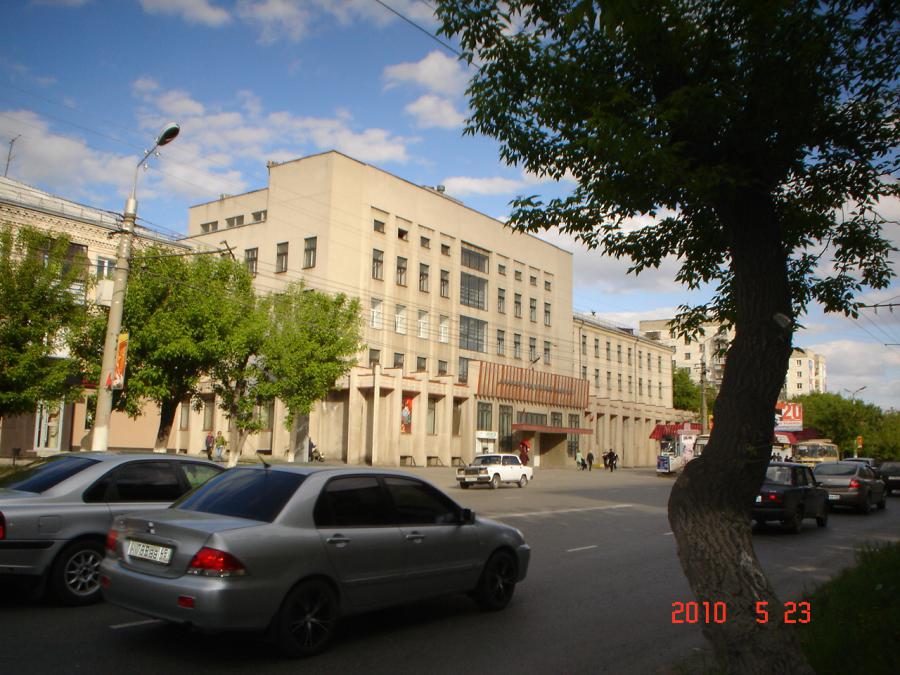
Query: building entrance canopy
point(660, 431)
point(545, 429)
point(496, 380)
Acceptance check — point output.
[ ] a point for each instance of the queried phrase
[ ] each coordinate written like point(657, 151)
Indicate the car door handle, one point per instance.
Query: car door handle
point(338, 540)
point(415, 537)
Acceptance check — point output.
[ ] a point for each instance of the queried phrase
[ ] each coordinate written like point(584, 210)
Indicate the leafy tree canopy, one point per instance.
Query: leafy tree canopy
point(842, 420)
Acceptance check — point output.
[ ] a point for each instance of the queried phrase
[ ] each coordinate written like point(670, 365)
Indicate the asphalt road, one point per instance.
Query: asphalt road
point(598, 597)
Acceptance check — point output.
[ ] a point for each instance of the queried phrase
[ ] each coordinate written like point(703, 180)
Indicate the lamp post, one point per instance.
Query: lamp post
point(853, 399)
point(855, 392)
point(100, 439)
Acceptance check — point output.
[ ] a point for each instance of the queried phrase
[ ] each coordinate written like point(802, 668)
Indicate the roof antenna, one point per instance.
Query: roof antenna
point(263, 460)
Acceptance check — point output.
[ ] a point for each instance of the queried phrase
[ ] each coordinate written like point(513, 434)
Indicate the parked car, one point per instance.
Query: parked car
point(852, 484)
point(55, 512)
point(890, 475)
point(868, 461)
point(789, 494)
point(494, 469)
point(292, 549)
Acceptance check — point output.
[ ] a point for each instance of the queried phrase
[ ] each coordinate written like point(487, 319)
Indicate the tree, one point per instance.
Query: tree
point(292, 346)
point(685, 394)
point(181, 313)
point(762, 136)
point(843, 420)
point(43, 288)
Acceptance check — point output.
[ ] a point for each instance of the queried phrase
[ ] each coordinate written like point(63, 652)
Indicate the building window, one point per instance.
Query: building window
point(398, 360)
point(518, 275)
point(532, 349)
point(596, 378)
point(608, 381)
point(463, 369)
point(444, 329)
point(374, 357)
point(209, 410)
point(475, 259)
point(799, 362)
point(423, 277)
point(442, 368)
point(456, 424)
point(687, 356)
point(517, 306)
point(501, 343)
point(234, 221)
point(640, 359)
point(422, 324)
point(630, 385)
point(421, 364)
point(211, 226)
point(281, 257)
point(431, 419)
point(472, 291)
point(378, 225)
point(546, 313)
point(629, 356)
point(584, 344)
point(619, 382)
point(260, 216)
point(445, 283)
point(546, 352)
point(517, 346)
point(401, 271)
point(400, 320)
point(532, 310)
point(424, 242)
point(501, 269)
point(619, 353)
point(649, 361)
point(640, 386)
point(799, 385)
point(583, 372)
point(546, 285)
point(251, 256)
point(445, 249)
point(660, 390)
point(649, 388)
point(184, 422)
point(556, 420)
point(501, 300)
point(106, 267)
point(659, 363)
point(608, 351)
point(377, 264)
point(309, 252)
point(266, 414)
point(472, 333)
point(506, 416)
point(532, 280)
point(596, 348)
point(485, 413)
point(572, 439)
point(377, 318)
point(402, 234)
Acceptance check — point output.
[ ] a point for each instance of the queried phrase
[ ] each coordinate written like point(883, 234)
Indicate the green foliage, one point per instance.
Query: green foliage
point(842, 420)
point(43, 287)
point(691, 112)
point(685, 394)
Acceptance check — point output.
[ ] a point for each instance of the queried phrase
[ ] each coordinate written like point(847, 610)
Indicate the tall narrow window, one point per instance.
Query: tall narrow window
point(597, 348)
point(485, 413)
point(444, 329)
point(596, 378)
point(532, 310)
point(423, 277)
point(400, 320)
point(501, 300)
point(281, 257)
point(472, 333)
point(422, 324)
point(377, 264)
point(378, 225)
point(398, 359)
point(546, 352)
point(442, 368)
point(251, 256)
point(463, 369)
point(517, 346)
point(517, 305)
point(377, 319)
point(431, 419)
point(374, 357)
point(106, 267)
point(608, 350)
point(472, 291)
point(421, 364)
point(546, 313)
point(532, 349)
point(309, 252)
point(401, 271)
point(501, 343)
point(445, 283)
point(584, 345)
point(506, 416)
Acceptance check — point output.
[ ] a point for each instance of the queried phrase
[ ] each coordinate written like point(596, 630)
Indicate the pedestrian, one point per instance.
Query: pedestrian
point(614, 462)
point(605, 456)
point(221, 446)
point(209, 443)
point(523, 452)
point(590, 460)
point(579, 460)
point(609, 460)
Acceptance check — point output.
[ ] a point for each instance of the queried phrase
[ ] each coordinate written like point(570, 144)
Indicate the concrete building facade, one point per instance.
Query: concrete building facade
point(805, 374)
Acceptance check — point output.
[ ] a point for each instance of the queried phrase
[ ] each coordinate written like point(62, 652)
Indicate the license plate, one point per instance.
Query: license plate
point(758, 499)
point(833, 498)
point(151, 552)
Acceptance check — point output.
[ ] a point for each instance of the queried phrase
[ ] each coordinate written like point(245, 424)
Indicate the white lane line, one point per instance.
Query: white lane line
point(526, 514)
point(132, 624)
point(581, 548)
point(668, 534)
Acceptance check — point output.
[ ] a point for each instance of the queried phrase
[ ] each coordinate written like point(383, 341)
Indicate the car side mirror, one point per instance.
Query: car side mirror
point(466, 517)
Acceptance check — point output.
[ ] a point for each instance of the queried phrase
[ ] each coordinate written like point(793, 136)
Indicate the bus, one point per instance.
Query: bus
point(815, 451)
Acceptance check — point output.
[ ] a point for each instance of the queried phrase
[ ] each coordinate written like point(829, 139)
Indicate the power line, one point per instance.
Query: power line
point(420, 28)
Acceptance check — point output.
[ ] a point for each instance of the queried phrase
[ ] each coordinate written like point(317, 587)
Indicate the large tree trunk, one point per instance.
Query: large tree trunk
point(711, 502)
point(236, 439)
point(166, 420)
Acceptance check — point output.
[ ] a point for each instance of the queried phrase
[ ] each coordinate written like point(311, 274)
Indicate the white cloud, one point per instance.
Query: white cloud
point(852, 364)
point(144, 85)
point(434, 111)
point(178, 104)
point(192, 11)
point(437, 72)
point(275, 19)
point(459, 186)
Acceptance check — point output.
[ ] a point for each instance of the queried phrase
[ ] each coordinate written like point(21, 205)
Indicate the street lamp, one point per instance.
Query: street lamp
point(855, 392)
point(853, 399)
point(100, 433)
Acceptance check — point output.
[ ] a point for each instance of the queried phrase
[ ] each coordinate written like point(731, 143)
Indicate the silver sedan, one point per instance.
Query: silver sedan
point(55, 512)
point(289, 550)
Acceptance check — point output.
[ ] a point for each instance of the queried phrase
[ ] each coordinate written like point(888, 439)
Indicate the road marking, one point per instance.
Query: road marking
point(526, 514)
point(666, 534)
point(135, 623)
point(581, 548)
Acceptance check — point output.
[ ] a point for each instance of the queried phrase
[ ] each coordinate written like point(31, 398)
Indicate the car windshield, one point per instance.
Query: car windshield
point(43, 474)
point(780, 475)
point(243, 493)
point(484, 460)
point(835, 469)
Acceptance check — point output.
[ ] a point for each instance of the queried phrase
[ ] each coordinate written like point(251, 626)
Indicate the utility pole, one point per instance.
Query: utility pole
point(703, 392)
point(9, 154)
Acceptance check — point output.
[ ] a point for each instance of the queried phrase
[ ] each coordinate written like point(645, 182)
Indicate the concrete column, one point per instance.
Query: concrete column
point(356, 416)
point(375, 417)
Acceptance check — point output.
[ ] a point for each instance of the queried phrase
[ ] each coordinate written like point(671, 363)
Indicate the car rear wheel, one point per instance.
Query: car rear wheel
point(883, 502)
point(464, 485)
point(795, 522)
point(523, 481)
point(497, 583)
point(75, 575)
point(307, 619)
point(865, 505)
point(495, 481)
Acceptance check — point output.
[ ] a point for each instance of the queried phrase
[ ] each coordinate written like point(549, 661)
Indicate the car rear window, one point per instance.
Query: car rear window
point(779, 475)
point(833, 469)
point(254, 494)
point(43, 474)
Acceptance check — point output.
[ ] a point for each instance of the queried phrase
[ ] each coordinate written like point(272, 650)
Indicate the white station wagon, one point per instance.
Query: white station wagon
point(495, 469)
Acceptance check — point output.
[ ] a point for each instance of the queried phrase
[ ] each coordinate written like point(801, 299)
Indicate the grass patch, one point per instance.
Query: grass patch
point(856, 617)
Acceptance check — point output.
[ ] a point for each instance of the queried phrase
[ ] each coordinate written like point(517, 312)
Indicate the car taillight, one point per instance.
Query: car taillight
point(773, 497)
point(854, 484)
point(2, 527)
point(211, 562)
point(111, 538)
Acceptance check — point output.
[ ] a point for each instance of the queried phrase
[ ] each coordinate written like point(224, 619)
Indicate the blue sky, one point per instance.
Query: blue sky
point(86, 85)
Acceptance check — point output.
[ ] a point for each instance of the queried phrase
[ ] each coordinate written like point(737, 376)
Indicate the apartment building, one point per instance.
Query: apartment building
point(57, 427)
point(706, 350)
point(805, 374)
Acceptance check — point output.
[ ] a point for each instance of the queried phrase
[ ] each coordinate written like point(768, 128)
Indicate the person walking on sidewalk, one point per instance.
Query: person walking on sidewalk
point(579, 460)
point(221, 446)
point(590, 460)
point(209, 443)
point(613, 461)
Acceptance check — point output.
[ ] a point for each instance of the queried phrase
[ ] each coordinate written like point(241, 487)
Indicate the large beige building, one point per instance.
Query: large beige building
point(805, 374)
point(470, 343)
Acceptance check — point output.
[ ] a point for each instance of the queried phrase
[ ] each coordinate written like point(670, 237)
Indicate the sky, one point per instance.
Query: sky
point(85, 86)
